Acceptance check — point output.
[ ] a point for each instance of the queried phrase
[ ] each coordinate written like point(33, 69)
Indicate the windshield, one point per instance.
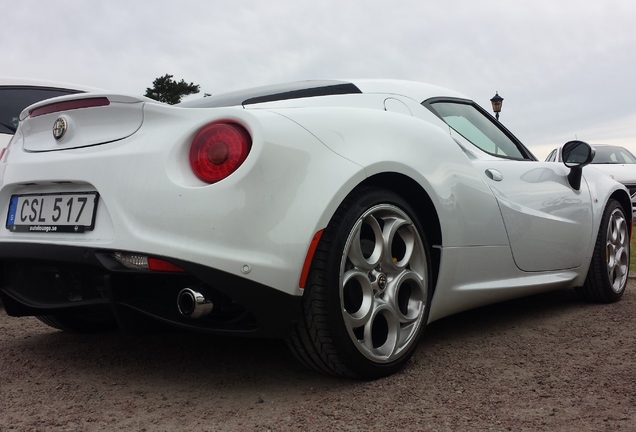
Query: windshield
point(613, 155)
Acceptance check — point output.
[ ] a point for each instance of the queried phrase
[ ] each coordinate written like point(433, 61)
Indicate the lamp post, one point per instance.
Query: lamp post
point(496, 102)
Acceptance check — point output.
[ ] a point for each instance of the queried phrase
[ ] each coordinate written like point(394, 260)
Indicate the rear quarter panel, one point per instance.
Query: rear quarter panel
point(382, 142)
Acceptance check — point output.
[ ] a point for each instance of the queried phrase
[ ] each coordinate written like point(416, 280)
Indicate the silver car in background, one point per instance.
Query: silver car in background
point(616, 161)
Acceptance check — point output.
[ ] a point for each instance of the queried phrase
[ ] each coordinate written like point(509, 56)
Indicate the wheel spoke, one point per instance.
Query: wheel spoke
point(358, 298)
point(365, 244)
point(399, 242)
point(382, 332)
point(407, 296)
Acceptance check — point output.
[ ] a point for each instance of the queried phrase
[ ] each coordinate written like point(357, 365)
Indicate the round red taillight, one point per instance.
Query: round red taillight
point(218, 150)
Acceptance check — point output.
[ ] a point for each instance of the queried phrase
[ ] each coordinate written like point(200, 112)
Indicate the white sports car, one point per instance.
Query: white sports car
point(343, 216)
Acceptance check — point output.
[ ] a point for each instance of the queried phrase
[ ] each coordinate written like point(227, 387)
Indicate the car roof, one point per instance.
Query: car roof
point(314, 88)
point(416, 90)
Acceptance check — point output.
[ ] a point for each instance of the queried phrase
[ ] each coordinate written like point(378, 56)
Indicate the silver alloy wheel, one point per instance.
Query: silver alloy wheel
point(383, 283)
point(617, 250)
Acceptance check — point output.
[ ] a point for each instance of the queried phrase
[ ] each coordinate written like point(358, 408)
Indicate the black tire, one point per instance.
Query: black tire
point(80, 322)
point(364, 310)
point(607, 277)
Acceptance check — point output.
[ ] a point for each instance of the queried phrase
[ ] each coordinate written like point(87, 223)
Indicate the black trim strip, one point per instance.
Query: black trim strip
point(338, 89)
point(272, 93)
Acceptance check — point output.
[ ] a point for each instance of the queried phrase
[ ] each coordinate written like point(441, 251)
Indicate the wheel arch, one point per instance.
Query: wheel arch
point(625, 202)
point(422, 204)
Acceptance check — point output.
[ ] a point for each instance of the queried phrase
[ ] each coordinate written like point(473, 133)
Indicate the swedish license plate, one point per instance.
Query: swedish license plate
point(53, 213)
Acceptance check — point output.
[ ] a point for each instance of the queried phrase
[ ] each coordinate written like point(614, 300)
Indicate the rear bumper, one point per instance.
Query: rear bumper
point(43, 279)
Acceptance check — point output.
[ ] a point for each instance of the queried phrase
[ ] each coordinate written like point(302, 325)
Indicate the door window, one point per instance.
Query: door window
point(480, 129)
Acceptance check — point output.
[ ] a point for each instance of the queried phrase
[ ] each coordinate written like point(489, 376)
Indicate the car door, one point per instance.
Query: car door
point(548, 223)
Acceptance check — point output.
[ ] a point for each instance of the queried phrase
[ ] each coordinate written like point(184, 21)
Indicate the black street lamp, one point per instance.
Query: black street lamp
point(496, 102)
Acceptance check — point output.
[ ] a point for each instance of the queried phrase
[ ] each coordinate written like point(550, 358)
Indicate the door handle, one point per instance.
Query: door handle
point(494, 175)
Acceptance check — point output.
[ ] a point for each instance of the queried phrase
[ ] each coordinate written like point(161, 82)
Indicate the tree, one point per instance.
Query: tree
point(165, 89)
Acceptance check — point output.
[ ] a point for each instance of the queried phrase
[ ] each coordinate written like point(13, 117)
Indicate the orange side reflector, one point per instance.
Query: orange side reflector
point(310, 256)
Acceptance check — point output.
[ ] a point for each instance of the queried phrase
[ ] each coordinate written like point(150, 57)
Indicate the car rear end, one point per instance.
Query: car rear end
point(108, 209)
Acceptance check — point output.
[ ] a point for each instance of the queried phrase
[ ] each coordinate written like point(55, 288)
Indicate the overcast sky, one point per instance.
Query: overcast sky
point(565, 68)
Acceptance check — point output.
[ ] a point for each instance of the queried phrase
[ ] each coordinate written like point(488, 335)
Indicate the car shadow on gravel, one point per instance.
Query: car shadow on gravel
point(170, 359)
point(192, 358)
point(505, 315)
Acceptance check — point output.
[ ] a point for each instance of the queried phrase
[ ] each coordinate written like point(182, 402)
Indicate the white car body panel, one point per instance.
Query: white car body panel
point(488, 275)
point(550, 229)
point(4, 140)
point(622, 173)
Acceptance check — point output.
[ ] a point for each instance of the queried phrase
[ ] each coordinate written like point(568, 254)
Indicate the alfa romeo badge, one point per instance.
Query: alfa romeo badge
point(59, 128)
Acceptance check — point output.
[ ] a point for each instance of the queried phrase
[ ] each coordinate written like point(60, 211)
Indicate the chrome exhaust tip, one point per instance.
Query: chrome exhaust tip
point(193, 304)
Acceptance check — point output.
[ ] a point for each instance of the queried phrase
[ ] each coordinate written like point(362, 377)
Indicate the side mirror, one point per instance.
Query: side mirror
point(575, 155)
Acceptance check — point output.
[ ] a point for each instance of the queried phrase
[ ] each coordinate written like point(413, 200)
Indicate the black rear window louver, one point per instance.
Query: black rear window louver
point(296, 90)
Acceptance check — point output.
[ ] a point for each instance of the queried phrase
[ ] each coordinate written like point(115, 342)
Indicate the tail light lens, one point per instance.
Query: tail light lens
point(143, 262)
point(218, 150)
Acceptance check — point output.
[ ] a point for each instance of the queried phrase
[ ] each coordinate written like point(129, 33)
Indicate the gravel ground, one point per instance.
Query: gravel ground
point(545, 363)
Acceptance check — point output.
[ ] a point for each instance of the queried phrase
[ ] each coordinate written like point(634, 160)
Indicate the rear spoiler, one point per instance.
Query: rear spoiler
point(80, 100)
